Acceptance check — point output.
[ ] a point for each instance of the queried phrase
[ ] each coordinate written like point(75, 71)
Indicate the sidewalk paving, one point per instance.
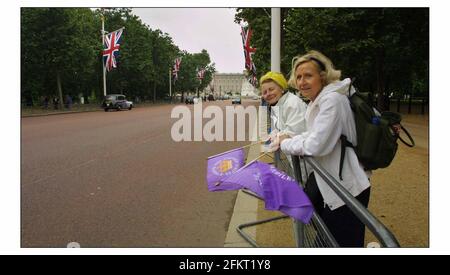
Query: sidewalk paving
point(249, 209)
point(39, 111)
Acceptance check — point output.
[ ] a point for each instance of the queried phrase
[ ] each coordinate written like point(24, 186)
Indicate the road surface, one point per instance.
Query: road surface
point(117, 179)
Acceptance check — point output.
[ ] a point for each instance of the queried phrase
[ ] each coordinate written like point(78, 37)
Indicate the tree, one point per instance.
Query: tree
point(386, 49)
point(56, 45)
point(187, 76)
point(61, 53)
point(163, 55)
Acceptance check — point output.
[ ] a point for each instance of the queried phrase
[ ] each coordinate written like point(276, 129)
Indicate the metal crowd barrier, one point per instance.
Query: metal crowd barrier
point(316, 233)
point(379, 230)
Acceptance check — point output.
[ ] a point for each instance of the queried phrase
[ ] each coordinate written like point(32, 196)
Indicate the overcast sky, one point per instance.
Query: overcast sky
point(194, 29)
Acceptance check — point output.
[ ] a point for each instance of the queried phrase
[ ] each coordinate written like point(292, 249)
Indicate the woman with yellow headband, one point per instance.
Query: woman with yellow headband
point(287, 111)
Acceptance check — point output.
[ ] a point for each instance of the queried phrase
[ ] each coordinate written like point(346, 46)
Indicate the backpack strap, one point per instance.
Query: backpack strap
point(344, 143)
point(412, 144)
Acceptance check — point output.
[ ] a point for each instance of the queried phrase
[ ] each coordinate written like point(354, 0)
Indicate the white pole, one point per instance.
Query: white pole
point(170, 85)
point(103, 64)
point(275, 40)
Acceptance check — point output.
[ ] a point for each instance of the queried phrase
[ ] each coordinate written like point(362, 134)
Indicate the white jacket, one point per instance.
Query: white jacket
point(327, 118)
point(288, 115)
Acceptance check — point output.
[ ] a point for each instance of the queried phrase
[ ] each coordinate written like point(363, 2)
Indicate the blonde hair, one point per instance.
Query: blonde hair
point(323, 63)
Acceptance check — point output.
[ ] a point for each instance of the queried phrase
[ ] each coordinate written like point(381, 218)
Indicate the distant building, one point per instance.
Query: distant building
point(226, 83)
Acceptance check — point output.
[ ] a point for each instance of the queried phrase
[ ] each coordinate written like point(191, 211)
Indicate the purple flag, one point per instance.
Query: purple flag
point(283, 193)
point(248, 177)
point(221, 166)
point(279, 191)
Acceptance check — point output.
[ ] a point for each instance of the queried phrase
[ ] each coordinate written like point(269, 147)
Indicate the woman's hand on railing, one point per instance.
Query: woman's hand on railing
point(275, 144)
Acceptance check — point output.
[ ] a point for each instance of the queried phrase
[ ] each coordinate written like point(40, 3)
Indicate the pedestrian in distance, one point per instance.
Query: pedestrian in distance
point(55, 103)
point(328, 116)
point(69, 102)
point(46, 101)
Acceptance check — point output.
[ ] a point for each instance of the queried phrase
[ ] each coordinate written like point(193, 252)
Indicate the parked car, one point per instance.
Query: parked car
point(211, 98)
point(116, 101)
point(189, 100)
point(236, 100)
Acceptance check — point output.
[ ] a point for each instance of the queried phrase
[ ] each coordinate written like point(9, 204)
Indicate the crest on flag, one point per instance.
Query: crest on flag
point(111, 51)
point(221, 166)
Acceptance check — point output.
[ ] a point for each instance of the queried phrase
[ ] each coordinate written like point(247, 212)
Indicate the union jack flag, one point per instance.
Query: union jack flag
point(253, 80)
point(176, 68)
point(112, 44)
point(201, 74)
point(248, 50)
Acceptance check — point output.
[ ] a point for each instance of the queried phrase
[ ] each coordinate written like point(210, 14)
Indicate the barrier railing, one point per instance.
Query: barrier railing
point(316, 233)
point(313, 234)
point(386, 238)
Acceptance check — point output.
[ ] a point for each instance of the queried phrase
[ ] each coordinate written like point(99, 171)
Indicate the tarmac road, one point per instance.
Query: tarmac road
point(117, 179)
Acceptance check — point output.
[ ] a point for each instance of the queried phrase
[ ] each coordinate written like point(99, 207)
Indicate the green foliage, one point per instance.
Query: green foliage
point(68, 41)
point(54, 41)
point(190, 64)
point(386, 49)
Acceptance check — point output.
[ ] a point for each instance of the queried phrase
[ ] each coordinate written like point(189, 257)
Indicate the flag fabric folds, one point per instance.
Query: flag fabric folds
point(248, 177)
point(248, 50)
point(111, 51)
point(284, 194)
point(246, 34)
point(221, 166)
point(176, 68)
point(201, 73)
point(253, 80)
point(279, 191)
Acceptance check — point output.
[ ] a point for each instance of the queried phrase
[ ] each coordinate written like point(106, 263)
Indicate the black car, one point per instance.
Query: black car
point(116, 101)
point(211, 98)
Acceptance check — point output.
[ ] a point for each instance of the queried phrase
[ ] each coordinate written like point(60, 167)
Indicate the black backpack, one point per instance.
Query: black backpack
point(376, 136)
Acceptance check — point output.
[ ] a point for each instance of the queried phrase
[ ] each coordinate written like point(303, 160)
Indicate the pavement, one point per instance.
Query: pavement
point(36, 112)
point(245, 211)
point(249, 209)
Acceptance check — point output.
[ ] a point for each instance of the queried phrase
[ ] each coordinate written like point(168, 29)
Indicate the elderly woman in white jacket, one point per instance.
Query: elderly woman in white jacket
point(287, 110)
point(328, 116)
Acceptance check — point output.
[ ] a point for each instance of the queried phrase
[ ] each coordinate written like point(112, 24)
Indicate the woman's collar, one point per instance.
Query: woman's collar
point(282, 99)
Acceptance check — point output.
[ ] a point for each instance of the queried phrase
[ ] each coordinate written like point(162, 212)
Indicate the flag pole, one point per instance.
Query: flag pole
point(103, 63)
point(170, 84)
point(239, 148)
point(275, 40)
point(242, 168)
